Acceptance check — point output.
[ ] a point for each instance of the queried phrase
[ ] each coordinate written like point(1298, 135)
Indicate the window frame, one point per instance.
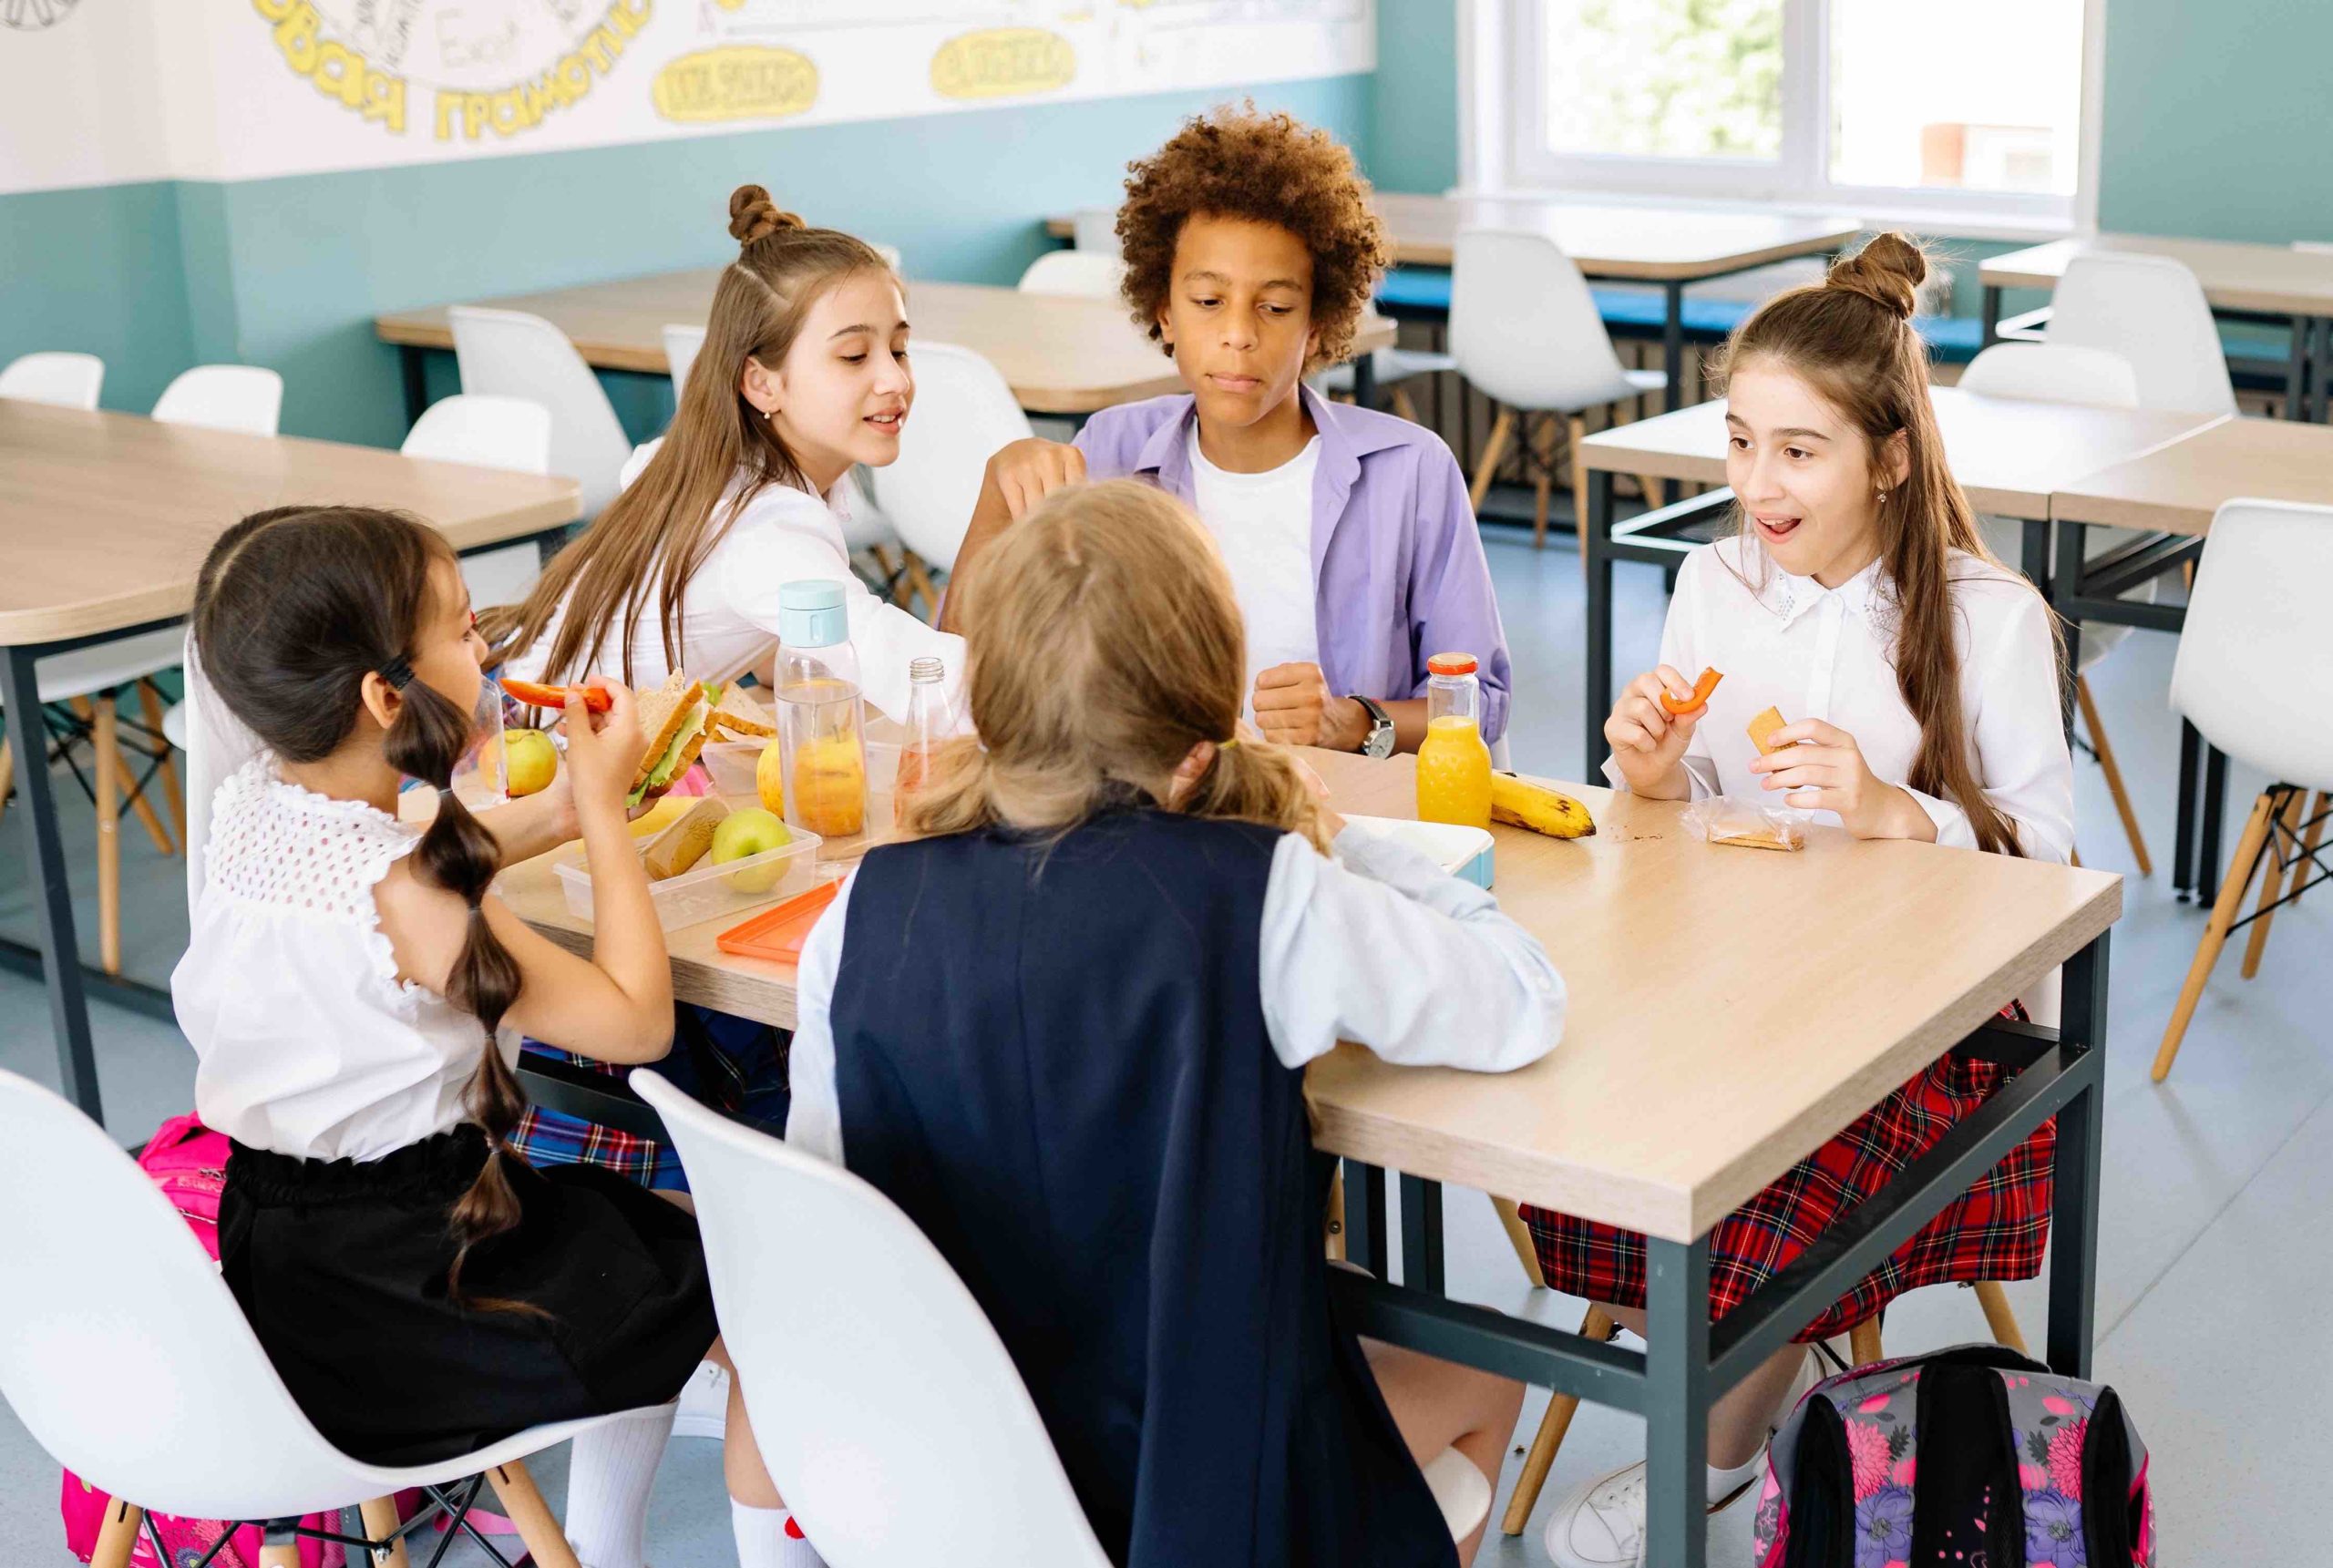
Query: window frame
point(1501, 152)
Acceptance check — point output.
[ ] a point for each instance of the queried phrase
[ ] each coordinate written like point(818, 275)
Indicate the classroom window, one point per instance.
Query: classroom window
point(1974, 108)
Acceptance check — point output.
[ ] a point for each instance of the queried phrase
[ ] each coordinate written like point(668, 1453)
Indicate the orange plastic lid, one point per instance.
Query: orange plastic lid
point(1452, 664)
point(777, 934)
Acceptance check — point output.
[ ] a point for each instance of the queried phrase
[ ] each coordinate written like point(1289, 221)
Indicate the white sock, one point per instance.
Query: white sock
point(610, 1474)
point(768, 1538)
point(1723, 1483)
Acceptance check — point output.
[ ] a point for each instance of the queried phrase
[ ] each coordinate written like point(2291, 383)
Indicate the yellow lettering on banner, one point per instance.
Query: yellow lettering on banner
point(340, 75)
point(631, 17)
point(274, 10)
point(296, 37)
point(739, 82)
point(385, 99)
point(601, 48)
point(1002, 61)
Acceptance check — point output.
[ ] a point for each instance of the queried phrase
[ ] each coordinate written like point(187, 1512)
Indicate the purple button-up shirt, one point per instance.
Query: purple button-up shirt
point(1397, 573)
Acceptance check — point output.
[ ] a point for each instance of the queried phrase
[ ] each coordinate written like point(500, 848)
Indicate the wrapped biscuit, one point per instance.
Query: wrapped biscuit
point(1745, 824)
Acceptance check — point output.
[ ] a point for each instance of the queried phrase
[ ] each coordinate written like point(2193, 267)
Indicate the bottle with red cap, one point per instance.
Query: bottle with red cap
point(1453, 761)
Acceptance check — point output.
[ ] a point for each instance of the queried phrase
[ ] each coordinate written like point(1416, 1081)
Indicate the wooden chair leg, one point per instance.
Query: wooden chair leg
point(1404, 408)
point(118, 1538)
point(1597, 1324)
point(1518, 1235)
point(545, 1540)
point(100, 717)
point(1493, 448)
point(149, 705)
point(2113, 774)
point(920, 580)
point(126, 774)
point(2300, 872)
point(1336, 1223)
point(2272, 882)
point(1997, 1316)
point(1862, 1342)
point(2239, 875)
point(1577, 428)
point(381, 1523)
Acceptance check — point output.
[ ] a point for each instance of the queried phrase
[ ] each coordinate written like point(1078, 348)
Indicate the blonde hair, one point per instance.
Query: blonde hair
point(657, 534)
point(1103, 644)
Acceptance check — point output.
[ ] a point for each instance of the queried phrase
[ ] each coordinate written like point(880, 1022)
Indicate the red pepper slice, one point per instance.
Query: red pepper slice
point(1701, 690)
point(533, 695)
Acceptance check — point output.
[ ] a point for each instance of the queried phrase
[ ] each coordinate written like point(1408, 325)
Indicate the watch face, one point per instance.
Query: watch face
point(1381, 741)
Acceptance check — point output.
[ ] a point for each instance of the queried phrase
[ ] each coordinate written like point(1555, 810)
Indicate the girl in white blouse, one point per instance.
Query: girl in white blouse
point(356, 995)
point(1919, 678)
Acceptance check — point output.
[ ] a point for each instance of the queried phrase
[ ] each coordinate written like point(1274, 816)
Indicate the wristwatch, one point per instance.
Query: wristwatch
point(1379, 741)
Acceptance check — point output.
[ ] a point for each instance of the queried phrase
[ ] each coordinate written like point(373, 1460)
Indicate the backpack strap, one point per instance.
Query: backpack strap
point(1965, 1492)
point(1822, 1492)
point(2109, 1510)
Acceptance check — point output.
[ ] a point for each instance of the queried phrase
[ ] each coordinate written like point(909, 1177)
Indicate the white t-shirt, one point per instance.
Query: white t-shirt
point(729, 611)
point(1262, 525)
point(307, 1042)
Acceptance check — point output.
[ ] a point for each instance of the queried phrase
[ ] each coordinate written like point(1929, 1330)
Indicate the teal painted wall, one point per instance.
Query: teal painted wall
point(1413, 114)
point(289, 273)
point(99, 271)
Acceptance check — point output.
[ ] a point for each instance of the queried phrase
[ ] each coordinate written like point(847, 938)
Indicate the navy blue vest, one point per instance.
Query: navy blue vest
point(1051, 1053)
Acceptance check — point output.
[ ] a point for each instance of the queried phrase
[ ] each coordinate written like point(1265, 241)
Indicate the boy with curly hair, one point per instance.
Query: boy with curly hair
point(1251, 252)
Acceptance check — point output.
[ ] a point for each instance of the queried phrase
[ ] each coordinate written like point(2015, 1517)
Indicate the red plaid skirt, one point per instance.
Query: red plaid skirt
point(1998, 1229)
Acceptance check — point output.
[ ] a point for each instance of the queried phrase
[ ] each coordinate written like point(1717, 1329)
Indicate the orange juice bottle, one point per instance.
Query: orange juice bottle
point(1454, 763)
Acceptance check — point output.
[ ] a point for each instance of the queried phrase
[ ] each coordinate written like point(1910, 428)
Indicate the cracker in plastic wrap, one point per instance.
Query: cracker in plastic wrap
point(1745, 824)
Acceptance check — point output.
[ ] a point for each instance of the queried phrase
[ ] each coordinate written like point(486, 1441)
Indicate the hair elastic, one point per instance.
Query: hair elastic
point(395, 672)
point(1227, 745)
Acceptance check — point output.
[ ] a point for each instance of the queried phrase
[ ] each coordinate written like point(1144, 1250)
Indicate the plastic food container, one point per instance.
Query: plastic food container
point(1464, 852)
point(732, 764)
point(705, 891)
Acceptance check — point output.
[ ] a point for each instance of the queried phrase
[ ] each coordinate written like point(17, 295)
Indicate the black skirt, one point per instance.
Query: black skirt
point(341, 1269)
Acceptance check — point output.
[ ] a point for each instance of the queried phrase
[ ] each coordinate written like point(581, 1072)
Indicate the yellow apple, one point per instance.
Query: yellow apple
point(769, 779)
point(530, 761)
point(748, 831)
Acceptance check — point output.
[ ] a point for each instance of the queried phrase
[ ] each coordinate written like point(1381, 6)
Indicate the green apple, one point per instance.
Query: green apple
point(747, 831)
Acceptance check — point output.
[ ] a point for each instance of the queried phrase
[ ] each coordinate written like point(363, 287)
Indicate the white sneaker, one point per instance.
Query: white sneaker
point(1599, 1524)
point(704, 1404)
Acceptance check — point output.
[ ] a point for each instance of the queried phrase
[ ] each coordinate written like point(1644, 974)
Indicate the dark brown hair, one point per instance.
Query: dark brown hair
point(655, 536)
point(1236, 162)
point(291, 609)
point(1851, 339)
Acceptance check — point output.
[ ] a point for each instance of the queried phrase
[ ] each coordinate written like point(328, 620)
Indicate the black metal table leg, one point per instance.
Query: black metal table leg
point(1672, 367)
point(2065, 588)
point(1600, 617)
point(2296, 369)
point(1992, 313)
point(1365, 1216)
point(2207, 849)
point(1677, 1403)
point(1422, 1267)
point(1364, 380)
point(2319, 368)
point(68, 1012)
point(2073, 1224)
point(2183, 837)
point(411, 360)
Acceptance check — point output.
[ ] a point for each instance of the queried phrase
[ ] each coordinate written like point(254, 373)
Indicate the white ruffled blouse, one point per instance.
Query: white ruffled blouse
point(309, 1044)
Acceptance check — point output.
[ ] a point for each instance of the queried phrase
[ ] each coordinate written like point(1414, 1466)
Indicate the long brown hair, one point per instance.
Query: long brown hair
point(657, 533)
point(1851, 339)
point(1103, 642)
point(291, 609)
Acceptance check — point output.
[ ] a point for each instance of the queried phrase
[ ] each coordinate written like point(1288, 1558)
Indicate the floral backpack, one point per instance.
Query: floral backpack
point(1973, 1458)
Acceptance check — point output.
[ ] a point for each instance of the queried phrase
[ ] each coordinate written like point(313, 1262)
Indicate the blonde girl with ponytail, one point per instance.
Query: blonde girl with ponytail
point(1917, 678)
point(354, 995)
point(1065, 1027)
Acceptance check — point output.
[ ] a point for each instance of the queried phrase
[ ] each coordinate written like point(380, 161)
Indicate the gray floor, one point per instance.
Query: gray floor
point(2207, 1313)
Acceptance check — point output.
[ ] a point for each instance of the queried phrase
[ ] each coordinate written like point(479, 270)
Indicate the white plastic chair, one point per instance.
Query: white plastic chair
point(129, 1315)
point(1390, 367)
point(1089, 274)
point(2152, 311)
point(488, 431)
point(66, 380)
point(1094, 229)
point(242, 397)
point(682, 345)
point(2255, 675)
point(887, 1382)
point(964, 411)
point(1524, 329)
point(890, 254)
point(2061, 373)
point(511, 353)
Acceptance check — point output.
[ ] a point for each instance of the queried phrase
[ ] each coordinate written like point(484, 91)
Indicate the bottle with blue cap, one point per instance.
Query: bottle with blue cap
point(821, 717)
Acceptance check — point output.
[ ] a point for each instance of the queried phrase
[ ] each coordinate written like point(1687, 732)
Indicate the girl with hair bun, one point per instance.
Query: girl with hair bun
point(356, 995)
point(1065, 1029)
point(1919, 678)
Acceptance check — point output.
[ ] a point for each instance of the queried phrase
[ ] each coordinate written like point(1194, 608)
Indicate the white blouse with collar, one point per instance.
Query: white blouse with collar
point(1790, 643)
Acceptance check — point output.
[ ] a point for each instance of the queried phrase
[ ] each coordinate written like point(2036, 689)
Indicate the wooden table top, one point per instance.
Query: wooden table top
point(105, 517)
point(2009, 453)
point(1730, 1010)
point(1653, 244)
point(2236, 276)
point(2177, 487)
point(1060, 354)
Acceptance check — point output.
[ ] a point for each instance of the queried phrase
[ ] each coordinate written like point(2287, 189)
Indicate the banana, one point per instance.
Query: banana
point(1539, 808)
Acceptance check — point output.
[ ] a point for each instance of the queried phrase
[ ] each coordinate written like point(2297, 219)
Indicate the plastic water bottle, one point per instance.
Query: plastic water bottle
point(821, 717)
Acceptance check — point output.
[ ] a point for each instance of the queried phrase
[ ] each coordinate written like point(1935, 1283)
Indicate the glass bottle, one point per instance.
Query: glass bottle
point(821, 717)
point(1453, 763)
point(929, 725)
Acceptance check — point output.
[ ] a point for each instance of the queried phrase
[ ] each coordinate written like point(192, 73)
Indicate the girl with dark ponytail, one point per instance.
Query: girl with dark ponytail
point(356, 995)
